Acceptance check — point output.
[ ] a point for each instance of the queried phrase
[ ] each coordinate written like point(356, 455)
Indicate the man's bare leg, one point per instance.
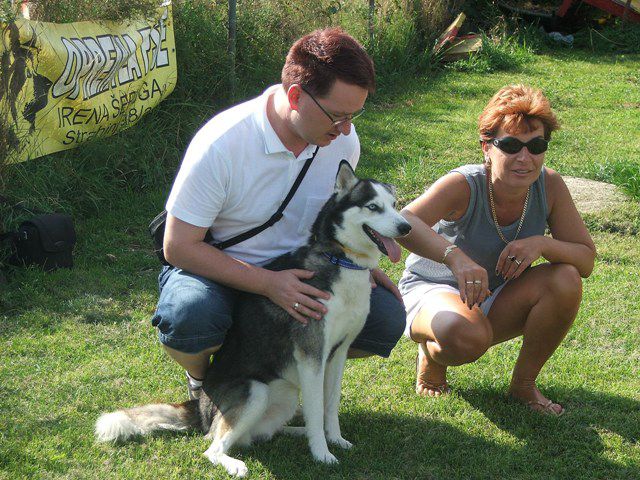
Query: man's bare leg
point(194, 363)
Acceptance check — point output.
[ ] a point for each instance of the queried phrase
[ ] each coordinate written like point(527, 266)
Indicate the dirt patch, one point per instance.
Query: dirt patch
point(591, 196)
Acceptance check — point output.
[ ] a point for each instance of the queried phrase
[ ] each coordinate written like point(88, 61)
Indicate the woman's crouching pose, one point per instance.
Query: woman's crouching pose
point(469, 283)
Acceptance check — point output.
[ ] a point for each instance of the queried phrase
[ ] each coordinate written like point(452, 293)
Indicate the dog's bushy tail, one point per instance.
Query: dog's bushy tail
point(124, 424)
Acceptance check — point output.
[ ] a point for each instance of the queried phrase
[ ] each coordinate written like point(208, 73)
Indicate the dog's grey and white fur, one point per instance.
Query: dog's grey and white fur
point(251, 389)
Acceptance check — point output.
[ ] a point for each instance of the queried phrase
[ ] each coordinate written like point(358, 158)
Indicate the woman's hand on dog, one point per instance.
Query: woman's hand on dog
point(286, 289)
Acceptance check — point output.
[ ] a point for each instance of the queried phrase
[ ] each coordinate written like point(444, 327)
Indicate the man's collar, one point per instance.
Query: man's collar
point(272, 143)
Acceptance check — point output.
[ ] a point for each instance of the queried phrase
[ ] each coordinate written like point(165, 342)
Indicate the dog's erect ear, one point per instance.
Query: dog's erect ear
point(389, 188)
point(345, 179)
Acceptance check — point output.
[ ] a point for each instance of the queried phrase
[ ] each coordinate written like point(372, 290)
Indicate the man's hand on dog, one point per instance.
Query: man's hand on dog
point(286, 289)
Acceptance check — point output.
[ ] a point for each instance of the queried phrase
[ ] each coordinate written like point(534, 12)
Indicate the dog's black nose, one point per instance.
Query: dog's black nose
point(404, 228)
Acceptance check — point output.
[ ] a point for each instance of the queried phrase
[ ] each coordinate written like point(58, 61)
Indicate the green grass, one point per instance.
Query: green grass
point(77, 343)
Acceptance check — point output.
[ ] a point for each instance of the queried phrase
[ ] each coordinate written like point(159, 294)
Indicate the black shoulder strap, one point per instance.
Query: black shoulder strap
point(276, 216)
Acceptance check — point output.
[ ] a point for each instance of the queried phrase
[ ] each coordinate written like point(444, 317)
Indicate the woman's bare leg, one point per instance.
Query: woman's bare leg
point(541, 306)
point(448, 333)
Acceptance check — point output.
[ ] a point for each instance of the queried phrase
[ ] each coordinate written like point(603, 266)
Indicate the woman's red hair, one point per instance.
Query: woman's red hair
point(517, 109)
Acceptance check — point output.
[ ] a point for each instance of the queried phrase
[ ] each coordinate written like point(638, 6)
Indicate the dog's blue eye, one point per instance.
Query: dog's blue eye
point(373, 207)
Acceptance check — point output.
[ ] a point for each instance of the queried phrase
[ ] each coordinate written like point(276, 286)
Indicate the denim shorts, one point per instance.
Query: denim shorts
point(194, 314)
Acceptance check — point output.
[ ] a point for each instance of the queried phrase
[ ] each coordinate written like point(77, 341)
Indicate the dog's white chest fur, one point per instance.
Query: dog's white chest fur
point(347, 308)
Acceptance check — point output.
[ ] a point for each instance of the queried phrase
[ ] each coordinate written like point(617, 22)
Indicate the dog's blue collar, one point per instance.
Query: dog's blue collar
point(343, 262)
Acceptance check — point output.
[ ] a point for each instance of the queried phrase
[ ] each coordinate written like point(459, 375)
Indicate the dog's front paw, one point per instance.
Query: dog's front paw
point(341, 442)
point(325, 457)
point(235, 467)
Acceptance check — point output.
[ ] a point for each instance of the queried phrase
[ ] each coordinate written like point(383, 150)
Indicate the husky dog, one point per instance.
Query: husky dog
point(252, 386)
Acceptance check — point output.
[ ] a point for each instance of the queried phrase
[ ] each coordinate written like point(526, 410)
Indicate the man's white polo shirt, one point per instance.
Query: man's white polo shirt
point(236, 173)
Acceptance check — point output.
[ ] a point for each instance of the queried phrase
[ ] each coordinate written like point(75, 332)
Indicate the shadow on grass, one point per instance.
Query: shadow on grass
point(385, 446)
point(573, 445)
point(36, 301)
point(515, 443)
point(400, 446)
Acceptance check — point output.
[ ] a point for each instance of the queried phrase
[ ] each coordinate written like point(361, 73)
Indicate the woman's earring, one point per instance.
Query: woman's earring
point(487, 160)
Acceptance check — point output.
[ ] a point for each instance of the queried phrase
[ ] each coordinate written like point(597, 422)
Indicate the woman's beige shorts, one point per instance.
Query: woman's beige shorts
point(416, 293)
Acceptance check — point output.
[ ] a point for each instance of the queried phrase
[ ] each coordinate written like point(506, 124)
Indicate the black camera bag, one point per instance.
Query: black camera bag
point(46, 240)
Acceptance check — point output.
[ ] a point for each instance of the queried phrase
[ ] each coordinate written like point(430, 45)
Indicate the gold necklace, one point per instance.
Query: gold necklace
point(495, 216)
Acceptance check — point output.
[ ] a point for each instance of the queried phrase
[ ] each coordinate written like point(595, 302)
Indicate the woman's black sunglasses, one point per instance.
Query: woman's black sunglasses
point(512, 145)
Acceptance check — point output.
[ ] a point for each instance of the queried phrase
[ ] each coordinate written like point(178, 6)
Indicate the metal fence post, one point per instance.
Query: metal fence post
point(231, 48)
point(372, 12)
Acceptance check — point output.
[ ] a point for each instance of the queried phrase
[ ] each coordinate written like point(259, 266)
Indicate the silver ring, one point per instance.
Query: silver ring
point(469, 282)
point(511, 258)
point(478, 282)
point(296, 306)
point(518, 262)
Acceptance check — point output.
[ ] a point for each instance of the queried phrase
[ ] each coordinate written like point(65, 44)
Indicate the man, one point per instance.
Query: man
point(235, 174)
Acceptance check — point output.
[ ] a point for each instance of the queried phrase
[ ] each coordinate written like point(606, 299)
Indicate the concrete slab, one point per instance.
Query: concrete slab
point(591, 196)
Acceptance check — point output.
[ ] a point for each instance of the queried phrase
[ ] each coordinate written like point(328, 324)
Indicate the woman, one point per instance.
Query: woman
point(469, 283)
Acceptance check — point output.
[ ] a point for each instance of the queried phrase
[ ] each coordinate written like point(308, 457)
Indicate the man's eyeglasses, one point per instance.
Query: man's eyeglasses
point(512, 145)
point(336, 122)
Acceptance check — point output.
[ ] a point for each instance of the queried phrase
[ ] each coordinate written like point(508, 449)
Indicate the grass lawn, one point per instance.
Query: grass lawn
point(77, 343)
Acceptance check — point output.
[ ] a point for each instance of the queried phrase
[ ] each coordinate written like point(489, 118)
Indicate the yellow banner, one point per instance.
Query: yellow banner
point(65, 84)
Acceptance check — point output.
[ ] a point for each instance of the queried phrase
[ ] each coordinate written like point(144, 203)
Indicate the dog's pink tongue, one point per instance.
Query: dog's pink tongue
point(393, 250)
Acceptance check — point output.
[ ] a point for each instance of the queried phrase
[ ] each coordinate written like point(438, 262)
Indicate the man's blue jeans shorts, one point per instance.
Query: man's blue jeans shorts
point(194, 314)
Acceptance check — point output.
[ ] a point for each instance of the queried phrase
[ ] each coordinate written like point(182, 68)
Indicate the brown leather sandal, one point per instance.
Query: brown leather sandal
point(544, 407)
point(538, 406)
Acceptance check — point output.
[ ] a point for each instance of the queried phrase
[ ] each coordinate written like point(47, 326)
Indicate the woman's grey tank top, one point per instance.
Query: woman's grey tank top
point(475, 233)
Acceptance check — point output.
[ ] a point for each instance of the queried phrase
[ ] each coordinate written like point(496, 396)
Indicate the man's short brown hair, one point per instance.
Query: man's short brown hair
point(320, 58)
point(517, 109)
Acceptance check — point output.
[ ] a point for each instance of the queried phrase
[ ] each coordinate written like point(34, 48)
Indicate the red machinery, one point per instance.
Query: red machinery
point(626, 9)
point(629, 9)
